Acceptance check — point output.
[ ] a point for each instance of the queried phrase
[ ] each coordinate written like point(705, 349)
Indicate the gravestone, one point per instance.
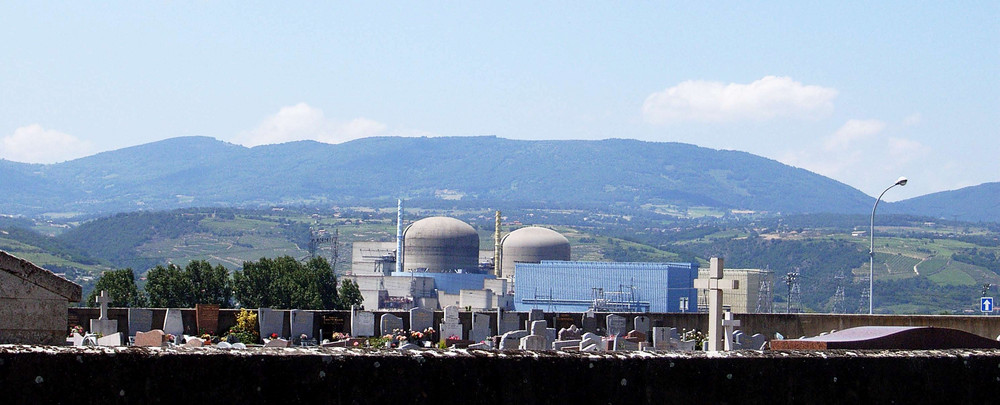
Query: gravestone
point(570, 333)
point(301, 323)
point(362, 323)
point(590, 322)
point(334, 323)
point(564, 320)
point(665, 338)
point(76, 339)
point(507, 321)
point(104, 325)
point(279, 342)
point(194, 342)
point(729, 323)
point(271, 322)
point(389, 323)
point(738, 338)
point(537, 340)
point(534, 315)
point(207, 318)
point(642, 324)
point(114, 339)
point(511, 340)
point(591, 342)
point(755, 342)
point(480, 327)
point(715, 285)
point(173, 323)
point(451, 327)
point(616, 325)
point(421, 319)
point(139, 320)
point(622, 344)
point(566, 344)
point(153, 338)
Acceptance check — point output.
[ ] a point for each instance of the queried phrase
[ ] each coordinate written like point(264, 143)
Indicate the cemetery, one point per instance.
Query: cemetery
point(265, 354)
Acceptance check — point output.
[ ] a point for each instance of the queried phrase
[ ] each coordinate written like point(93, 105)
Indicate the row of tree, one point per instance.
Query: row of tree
point(272, 283)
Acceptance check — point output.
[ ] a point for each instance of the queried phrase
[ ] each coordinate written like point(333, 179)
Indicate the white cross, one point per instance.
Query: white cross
point(715, 285)
point(104, 300)
point(729, 323)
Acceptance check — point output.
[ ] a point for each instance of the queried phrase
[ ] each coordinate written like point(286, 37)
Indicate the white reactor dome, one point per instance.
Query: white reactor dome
point(439, 245)
point(531, 245)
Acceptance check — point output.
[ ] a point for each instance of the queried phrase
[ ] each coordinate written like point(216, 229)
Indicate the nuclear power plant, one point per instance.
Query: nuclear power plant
point(437, 261)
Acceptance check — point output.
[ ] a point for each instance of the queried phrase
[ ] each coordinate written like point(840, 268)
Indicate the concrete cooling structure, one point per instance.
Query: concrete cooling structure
point(531, 245)
point(440, 245)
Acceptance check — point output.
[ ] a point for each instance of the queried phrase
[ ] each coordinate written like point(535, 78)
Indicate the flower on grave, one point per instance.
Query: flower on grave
point(356, 342)
point(303, 336)
point(339, 336)
point(76, 329)
point(169, 337)
point(274, 336)
point(453, 337)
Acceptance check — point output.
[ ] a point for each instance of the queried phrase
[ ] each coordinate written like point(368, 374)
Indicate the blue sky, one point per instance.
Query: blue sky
point(858, 92)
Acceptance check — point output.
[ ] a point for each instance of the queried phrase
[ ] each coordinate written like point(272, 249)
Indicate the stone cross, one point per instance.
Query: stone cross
point(104, 300)
point(715, 285)
point(729, 323)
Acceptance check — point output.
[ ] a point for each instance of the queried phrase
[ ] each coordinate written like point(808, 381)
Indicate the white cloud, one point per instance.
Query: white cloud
point(34, 144)
point(852, 131)
point(904, 150)
point(304, 122)
point(912, 119)
point(764, 99)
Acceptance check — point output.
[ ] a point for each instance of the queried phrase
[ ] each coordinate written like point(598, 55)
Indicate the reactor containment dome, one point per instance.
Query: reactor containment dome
point(440, 245)
point(531, 245)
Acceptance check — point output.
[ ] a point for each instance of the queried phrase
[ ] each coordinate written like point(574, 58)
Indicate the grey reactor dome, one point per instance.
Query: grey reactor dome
point(440, 245)
point(531, 245)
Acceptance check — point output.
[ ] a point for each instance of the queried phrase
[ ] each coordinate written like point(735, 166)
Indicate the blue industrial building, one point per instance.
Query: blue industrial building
point(567, 286)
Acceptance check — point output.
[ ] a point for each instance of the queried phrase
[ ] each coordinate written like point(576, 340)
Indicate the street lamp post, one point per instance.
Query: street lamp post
point(871, 247)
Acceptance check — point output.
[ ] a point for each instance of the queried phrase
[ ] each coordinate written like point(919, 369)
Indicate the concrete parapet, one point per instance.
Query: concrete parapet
point(38, 374)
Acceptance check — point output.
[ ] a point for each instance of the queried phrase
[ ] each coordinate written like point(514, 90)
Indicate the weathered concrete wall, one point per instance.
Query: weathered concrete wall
point(137, 375)
point(30, 313)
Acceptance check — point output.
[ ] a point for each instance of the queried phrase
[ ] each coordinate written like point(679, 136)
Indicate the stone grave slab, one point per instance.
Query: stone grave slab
point(114, 339)
point(537, 340)
point(589, 322)
point(564, 320)
point(511, 340)
point(642, 324)
point(301, 323)
point(153, 338)
point(616, 325)
point(173, 323)
point(207, 318)
point(271, 322)
point(480, 327)
point(507, 321)
point(139, 320)
point(421, 319)
point(570, 333)
point(362, 324)
point(279, 342)
point(104, 325)
point(388, 323)
point(451, 314)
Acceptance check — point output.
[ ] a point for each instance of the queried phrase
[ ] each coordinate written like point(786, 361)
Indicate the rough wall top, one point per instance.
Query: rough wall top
point(40, 374)
point(39, 276)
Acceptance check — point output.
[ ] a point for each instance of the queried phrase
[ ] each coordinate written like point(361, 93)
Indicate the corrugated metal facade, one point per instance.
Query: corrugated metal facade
point(565, 286)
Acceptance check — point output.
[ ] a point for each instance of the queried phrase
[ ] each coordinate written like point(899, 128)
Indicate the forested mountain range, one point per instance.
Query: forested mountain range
point(204, 172)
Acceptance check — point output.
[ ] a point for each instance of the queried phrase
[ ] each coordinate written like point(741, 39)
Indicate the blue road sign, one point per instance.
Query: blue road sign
point(986, 304)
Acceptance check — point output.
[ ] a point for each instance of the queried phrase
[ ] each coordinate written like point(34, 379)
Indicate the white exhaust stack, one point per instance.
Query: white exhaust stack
point(399, 236)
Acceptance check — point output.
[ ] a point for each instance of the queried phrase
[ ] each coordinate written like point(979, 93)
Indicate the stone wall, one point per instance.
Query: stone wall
point(136, 375)
point(30, 313)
